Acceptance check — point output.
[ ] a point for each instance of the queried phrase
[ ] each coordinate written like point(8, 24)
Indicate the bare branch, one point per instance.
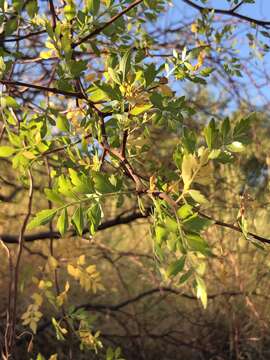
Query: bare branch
point(231, 12)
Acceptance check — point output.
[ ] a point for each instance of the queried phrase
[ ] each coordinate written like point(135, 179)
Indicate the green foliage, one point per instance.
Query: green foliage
point(92, 131)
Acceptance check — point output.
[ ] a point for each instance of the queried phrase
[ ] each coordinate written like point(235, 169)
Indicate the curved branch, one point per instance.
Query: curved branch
point(235, 228)
point(119, 220)
point(231, 12)
point(112, 20)
point(43, 88)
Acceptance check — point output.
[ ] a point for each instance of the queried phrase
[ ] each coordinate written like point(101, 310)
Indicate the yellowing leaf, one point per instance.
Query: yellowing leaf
point(74, 272)
point(6, 151)
point(90, 77)
point(200, 60)
point(204, 176)
point(37, 298)
point(81, 260)
point(198, 196)
point(201, 291)
point(194, 28)
point(138, 109)
point(42, 218)
point(189, 165)
point(52, 262)
point(62, 223)
point(236, 147)
point(166, 90)
point(28, 154)
point(47, 54)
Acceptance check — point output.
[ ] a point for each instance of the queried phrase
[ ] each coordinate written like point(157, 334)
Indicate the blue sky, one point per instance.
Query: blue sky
point(259, 10)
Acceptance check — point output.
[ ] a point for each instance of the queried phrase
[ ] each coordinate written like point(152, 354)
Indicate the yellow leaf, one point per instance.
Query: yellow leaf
point(204, 176)
point(47, 54)
point(52, 262)
point(74, 272)
point(194, 28)
point(37, 298)
point(189, 165)
point(198, 196)
point(28, 155)
point(138, 109)
point(200, 60)
point(53, 357)
point(91, 269)
point(90, 77)
point(81, 260)
point(33, 326)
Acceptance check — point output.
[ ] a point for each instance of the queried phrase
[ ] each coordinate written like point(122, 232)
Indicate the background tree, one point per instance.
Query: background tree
point(108, 119)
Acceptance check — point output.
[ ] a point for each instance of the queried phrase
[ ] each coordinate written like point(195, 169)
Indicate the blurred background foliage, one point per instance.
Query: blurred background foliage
point(112, 280)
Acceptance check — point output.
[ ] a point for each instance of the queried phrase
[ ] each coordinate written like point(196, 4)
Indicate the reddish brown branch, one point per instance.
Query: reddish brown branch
point(124, 143)
point(12, 311)
point(53, 13)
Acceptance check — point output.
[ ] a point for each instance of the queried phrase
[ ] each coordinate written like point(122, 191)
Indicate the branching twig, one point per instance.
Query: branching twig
point(263, 23)
point(42, 88)
point(12, 311)
point(104, 26)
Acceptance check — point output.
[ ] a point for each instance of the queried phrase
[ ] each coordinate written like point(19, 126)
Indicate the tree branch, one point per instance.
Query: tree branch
point(43, 88)
point(231, 12)
point(101, 28)
point(235, 228)
point(12, 239)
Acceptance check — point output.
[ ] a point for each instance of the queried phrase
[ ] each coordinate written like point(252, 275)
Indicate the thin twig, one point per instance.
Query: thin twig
point(104, 26)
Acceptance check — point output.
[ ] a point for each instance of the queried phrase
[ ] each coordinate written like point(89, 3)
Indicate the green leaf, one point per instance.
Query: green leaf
point(210, 133)
point(94, 215)
point(114, 75)
point(93, 6)
point(197, 243)
point(161, 234)
point(206, 71)
point(81, 181)
point(77, 220)
point(184, 211)
point(156, 99)
point(62, 123)
point(214, 154)
point(42, 218)
point(236, 147)
point(103, 184)
point(149, 74)
point(32, 8)
point(196, 223)
point(53, 196)
point(112, 93)
point(125, 63)
point(198, 196)
point(62, 223)
point(171, 224)
point(70, 11)
point(241, 129)
point(225, 129)
point(6, 151)
point(11, 102)
point(186, 276)
point(176, 267)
